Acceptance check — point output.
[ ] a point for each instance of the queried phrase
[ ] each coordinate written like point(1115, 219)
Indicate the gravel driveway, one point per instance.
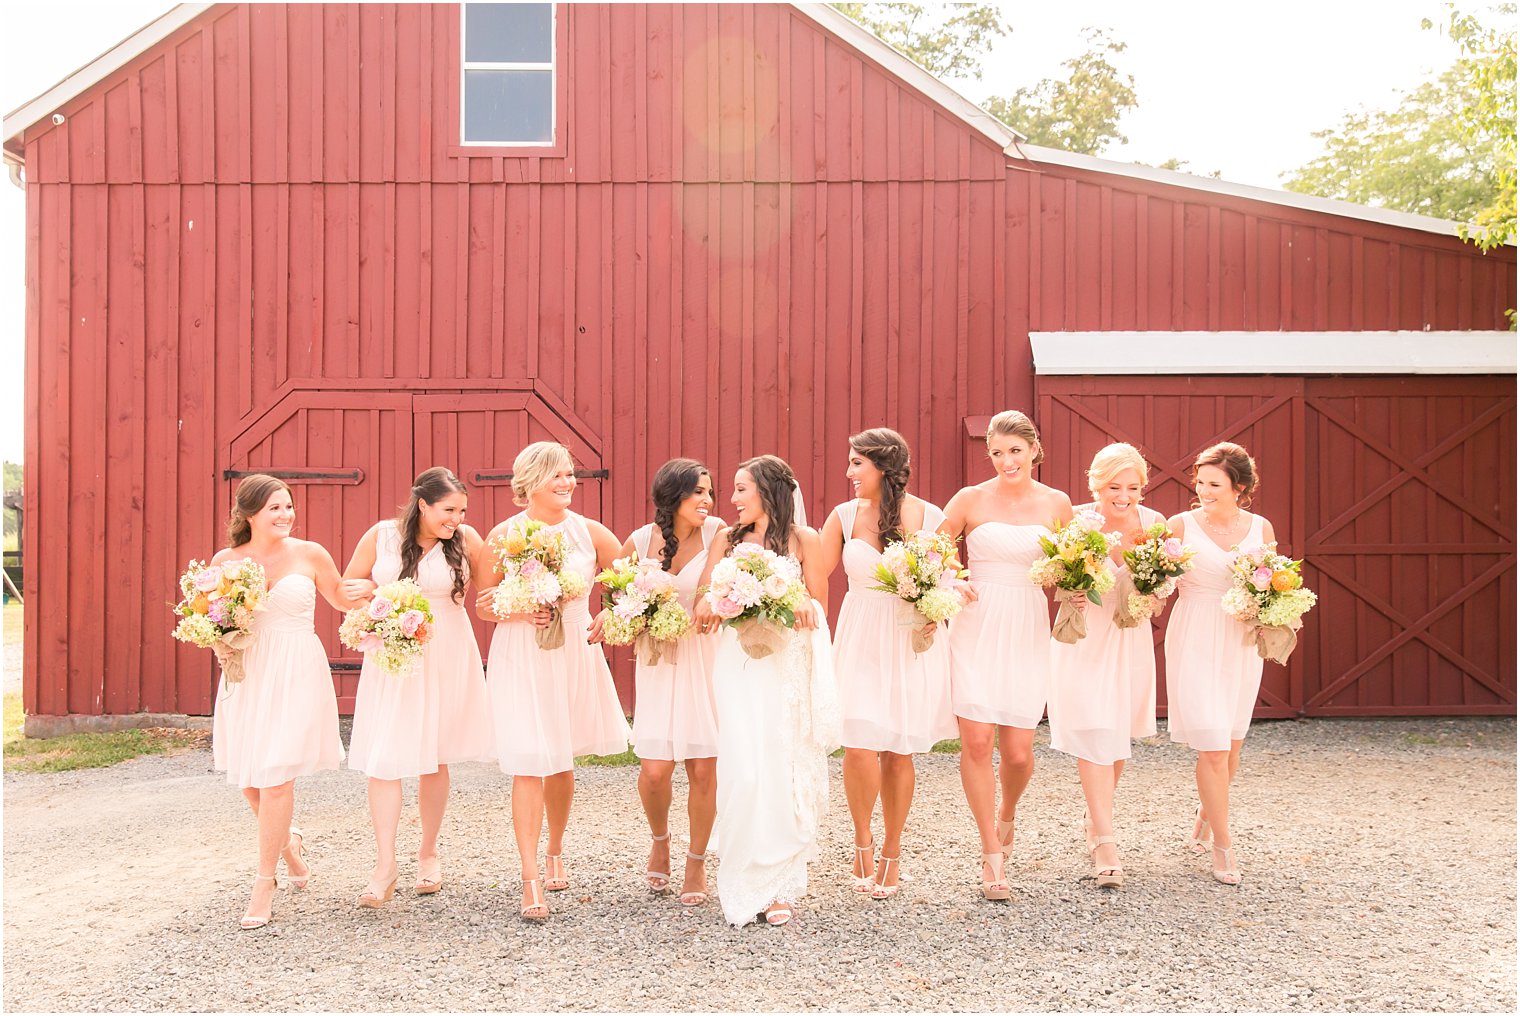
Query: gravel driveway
point(1379, 861)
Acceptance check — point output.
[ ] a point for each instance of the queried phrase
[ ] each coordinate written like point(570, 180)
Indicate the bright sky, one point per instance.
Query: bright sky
point(1233, 87)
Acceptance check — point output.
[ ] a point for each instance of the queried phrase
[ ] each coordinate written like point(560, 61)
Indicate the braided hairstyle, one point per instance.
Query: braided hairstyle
point(432, 485)
point(253, 493)
point(674, 482)
point(777, 486)
point(888, 452)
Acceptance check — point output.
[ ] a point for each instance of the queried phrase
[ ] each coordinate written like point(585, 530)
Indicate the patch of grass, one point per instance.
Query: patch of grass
point(1421, 739)
point(86, 751)
point(626, 758)
point(950, 747)
point(14, 614)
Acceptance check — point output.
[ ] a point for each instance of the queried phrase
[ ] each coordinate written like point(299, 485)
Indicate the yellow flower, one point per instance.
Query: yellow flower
point(514, 542)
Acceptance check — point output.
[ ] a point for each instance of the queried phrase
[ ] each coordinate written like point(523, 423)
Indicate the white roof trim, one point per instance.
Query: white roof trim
point(108, 63)
point(1290, 199)
point(882, 54)
point(1274, 352)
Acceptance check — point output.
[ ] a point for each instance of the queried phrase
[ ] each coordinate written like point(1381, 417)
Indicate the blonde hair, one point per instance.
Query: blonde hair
point(1112, 460)
point(535, 466)
point(1012, 423)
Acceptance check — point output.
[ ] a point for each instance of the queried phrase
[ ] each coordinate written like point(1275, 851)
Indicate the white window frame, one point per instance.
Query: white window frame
point(552, 67)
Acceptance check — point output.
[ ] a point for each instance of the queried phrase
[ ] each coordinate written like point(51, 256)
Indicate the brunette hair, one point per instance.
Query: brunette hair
point(888, 452)
point(1237, 465)
point(674, 482)
point(1112, 460)
point(253, 493)
point(776, 483)
point(535, 466)
point(1012, 423)
point(432, 486)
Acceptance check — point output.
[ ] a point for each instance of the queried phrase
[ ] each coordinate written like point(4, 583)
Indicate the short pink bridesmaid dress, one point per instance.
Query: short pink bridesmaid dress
point(674, 715)
point(1103, 687)
point(439, 713)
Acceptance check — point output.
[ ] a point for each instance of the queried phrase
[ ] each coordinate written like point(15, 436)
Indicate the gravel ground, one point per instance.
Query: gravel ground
point(1378, 857)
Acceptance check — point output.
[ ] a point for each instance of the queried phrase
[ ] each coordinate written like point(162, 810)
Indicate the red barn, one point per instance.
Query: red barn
point(345, 242)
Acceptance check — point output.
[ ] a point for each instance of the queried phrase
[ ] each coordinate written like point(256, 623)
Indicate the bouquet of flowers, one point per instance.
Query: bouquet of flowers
point(217, 608)
point(643, 608)
point(757, 592)
point(1154, 566)
point(923, 572)
point(1076, 563)
point(395, 626)
point(1267, 594)
point(533, 560)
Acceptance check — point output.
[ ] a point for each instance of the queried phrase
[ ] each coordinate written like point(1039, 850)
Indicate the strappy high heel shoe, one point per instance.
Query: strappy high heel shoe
point(429, 876)
point(372, 900)
point(558, 883)
point(299, 838)
point(882, 892)
point(998, 888)
point(249, 922)
point(778, 913)
point(659, 881)
point(1005, 837)
point(863, 883)
point(535, 901)
point(1108, 876)
point(695, 898)
point(1204, 841)
point(1230, 873)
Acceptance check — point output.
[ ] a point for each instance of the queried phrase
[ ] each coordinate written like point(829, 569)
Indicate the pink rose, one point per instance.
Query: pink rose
point(1261, 578)
point(726, 608)
point(209, 579)
point(774, 586)
point(369, 642)
point(380, 608)
point(530, 568)
point(409, 622)
point(1172, 548)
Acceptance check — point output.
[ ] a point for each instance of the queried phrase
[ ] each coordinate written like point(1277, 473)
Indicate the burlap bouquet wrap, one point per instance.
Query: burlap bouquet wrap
point(1071, 621)
point(552, 636)
point(652, 650)
point(908, 616)
point(1123, 586)
point(1274, 642)
point(229, 648)
point(760, 638)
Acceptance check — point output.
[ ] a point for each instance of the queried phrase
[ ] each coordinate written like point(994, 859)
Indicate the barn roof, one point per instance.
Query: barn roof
point(868, 45)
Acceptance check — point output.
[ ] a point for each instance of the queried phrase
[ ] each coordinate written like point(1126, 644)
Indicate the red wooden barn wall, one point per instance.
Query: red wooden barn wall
point(258, 245)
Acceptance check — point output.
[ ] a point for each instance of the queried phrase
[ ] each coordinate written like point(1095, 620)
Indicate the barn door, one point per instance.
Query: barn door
point(1411, 546)
point(1171, 420)
point(478, 436)
point(348, 459)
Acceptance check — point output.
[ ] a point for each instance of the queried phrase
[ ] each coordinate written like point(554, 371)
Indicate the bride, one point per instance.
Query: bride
point(778, 717)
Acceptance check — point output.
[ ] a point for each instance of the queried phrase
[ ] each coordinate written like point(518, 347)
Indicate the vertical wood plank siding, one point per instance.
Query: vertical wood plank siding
point(259, 245)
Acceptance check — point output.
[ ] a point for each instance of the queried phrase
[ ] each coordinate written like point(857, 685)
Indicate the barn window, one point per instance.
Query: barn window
point(507, 92)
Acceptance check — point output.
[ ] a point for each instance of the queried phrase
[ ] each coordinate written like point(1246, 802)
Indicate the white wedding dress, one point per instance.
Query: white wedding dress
point(778, 720)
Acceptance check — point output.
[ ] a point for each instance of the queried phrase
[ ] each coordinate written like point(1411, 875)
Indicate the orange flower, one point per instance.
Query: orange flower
point(1284, 580)
point(201, 604)
point(514, 542)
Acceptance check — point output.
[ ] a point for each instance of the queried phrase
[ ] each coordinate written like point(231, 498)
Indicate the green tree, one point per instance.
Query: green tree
point(1487, 70)
point(1415, 157)
point(948, 40)
point(12, 472)
point(1079, 112)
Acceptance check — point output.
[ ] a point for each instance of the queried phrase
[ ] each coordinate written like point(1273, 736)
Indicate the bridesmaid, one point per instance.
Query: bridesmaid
point(281, 720)
point(548, 705)
point(777, 716)
point(893, 702)
point(1103, 688)
point(1212, 672)
point(1000, 644)
point(674, 716)
point(415, 726)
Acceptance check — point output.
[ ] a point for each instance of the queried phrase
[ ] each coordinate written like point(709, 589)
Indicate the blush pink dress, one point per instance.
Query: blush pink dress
point(1213, 674)
point(281, 720)
point(438, 714)
point(890, 698)
point(1000, 644)
point(550, 705)
point(674, 714)
point(1103, 687)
